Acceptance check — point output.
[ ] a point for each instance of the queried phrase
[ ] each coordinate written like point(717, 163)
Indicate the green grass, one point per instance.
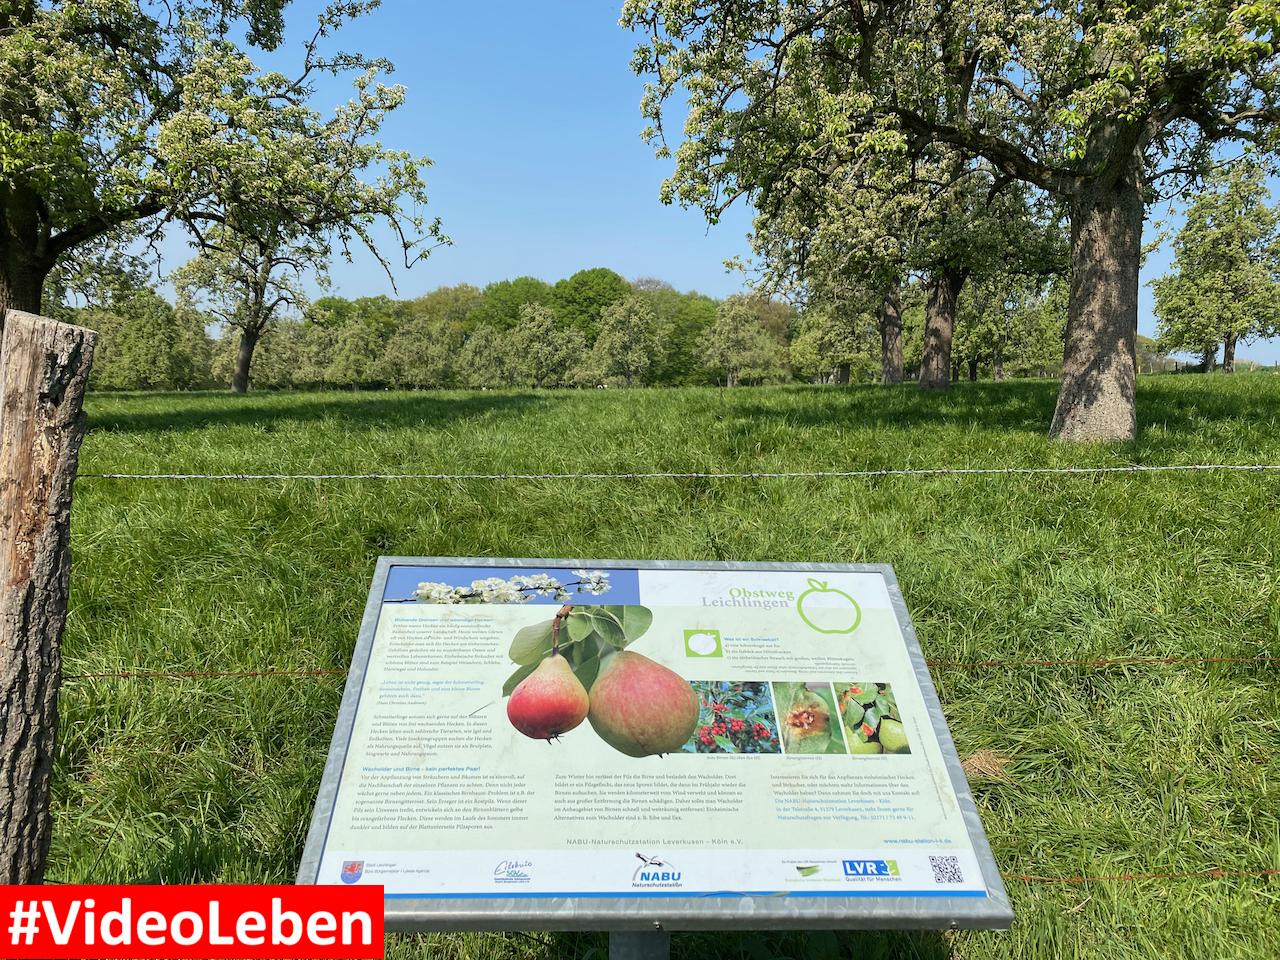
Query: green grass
point(1136, 769)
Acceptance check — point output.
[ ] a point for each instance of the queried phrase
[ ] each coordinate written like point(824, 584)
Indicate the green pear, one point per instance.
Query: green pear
point(857, 746)
point(893, 736)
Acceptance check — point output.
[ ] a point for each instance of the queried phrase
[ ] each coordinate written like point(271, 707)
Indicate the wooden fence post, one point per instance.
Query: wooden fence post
point(44, 367)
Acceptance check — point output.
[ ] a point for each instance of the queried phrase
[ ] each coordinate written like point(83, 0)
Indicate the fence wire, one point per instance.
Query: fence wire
point(714, 475)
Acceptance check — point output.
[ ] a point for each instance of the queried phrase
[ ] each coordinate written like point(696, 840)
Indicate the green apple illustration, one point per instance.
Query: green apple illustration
point(836, 613)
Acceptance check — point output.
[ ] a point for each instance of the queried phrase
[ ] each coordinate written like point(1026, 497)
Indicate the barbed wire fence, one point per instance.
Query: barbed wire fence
point(717, 475)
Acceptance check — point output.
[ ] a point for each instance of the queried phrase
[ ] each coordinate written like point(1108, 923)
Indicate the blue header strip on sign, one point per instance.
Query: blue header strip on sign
point(624, 585)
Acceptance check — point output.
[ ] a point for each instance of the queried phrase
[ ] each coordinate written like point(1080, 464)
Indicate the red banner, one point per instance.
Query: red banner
point(213, 922)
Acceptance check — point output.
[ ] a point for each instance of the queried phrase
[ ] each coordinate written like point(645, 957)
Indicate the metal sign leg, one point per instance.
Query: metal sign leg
point(640, 945)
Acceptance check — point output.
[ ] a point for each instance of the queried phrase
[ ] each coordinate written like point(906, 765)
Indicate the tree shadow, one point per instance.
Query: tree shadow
point(1025, 405)
point(271, 411)
point(1181, 404)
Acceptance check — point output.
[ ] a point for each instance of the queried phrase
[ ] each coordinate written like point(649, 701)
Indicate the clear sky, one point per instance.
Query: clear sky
point(530, 113)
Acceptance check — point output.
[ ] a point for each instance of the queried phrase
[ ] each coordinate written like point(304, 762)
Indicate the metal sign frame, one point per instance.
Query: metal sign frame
point(693, 912)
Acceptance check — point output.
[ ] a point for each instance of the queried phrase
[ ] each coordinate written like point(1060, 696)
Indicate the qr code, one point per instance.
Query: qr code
point(946, 870)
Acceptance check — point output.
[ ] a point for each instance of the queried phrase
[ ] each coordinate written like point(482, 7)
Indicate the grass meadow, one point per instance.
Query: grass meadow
point(1093, 771)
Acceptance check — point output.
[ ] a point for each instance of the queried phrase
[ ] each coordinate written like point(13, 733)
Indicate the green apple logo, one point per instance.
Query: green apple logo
point(837, 612)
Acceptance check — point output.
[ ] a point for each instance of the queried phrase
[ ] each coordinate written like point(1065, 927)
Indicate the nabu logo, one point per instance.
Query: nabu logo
point(653, 872)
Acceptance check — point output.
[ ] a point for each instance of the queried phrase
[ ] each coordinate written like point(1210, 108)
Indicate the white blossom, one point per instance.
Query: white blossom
point(543, 584)
point(430, 592)
point(519, 589)
point(594, 582)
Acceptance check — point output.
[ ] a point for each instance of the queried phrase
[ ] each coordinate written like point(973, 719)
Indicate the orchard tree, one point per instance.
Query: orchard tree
point(146, 344)
point(836, 345)
point(626, 345)
point(738, 348)
point(486, 358)
point(543, 348)
point(874, 223)
point(1102, 106)
point(421, 351)
point(120, 116)
point(828, 236)
point(1225, 284)
point(248, 283)
point(1006, 323)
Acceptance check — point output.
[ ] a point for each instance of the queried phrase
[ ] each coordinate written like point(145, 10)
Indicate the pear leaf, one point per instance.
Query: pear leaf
point(531, 643)
point(580, 625)
point(609, 629)
point(513, 681)
point(635, 621)
point(585, 660)
point(612, 610)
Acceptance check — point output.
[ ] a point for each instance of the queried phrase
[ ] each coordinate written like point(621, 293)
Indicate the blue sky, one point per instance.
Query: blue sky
point(530, 113)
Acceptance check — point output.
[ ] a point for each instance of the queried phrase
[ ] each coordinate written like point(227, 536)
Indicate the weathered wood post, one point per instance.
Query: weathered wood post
point(44, 367)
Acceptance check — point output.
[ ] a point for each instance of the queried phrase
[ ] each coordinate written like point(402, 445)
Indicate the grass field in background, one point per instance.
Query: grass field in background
point(1112, 770)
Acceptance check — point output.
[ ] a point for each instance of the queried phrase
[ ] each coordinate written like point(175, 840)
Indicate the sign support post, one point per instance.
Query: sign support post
point(639, 945)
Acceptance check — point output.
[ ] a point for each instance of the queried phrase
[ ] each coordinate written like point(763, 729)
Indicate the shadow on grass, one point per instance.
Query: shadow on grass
point(192, 411)
point(1012, 405)
point(1176, 403)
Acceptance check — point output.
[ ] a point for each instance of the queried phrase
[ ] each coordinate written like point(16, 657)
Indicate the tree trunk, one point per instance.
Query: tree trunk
point(1097, 398)
point(43, 374)
point(1229, 354)
point(973, 371)
point(891, 336)
point(1206, 359)
point(842, 374)
point(997, 366)
point(939, 328)
point(21, 288)
point(244, 357)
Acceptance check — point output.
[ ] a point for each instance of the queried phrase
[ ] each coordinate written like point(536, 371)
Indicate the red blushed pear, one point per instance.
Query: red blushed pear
point(640, 708)
point(548, 702)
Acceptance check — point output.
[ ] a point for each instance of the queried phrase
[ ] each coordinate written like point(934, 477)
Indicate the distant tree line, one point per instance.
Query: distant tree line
point(593, 329)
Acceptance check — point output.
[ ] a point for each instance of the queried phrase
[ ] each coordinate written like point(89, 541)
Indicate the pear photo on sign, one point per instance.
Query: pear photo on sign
point(872, 722)
point(828, 610)
point(575, 667)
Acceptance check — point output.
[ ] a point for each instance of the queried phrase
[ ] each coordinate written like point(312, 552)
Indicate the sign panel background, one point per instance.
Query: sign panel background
point(467, 823)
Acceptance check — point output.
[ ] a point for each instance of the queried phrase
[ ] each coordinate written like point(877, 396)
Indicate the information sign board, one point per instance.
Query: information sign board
point(762, 747)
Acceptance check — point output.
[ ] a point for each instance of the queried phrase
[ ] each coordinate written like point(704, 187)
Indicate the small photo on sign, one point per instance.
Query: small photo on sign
point(734, 716)
point(808, 717)
point(872, 722)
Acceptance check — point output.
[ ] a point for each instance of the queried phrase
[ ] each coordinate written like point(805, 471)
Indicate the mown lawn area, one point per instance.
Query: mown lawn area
point(1138, 769)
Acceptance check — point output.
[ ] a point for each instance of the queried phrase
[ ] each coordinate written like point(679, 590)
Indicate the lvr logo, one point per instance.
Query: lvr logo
point(870, 868)
point(653, 870)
